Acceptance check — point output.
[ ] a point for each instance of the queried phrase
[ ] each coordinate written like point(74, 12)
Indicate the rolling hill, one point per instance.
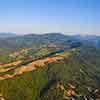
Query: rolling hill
point(7, 35)
point(49, 67)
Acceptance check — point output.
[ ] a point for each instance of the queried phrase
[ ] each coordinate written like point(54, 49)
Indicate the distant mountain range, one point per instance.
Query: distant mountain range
point(7, 35)
point(13, 41)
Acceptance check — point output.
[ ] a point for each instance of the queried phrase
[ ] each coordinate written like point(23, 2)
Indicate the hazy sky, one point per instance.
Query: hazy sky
point(39, 16)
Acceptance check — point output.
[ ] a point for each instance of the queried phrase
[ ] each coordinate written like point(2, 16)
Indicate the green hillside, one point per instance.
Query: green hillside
point(49, 67)
point(81, 69)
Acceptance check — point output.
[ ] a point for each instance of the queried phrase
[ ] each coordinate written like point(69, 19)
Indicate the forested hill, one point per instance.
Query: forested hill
point(39, 75)
point(50, 67)
point(15, 42)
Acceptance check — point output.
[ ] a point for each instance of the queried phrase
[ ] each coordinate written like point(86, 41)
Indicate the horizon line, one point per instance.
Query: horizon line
point(41, 33)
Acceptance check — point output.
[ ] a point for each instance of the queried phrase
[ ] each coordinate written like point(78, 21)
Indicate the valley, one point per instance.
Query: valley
point(55, 70)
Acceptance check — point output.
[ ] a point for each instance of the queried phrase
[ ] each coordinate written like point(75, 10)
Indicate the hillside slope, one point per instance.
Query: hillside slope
point(76, 69)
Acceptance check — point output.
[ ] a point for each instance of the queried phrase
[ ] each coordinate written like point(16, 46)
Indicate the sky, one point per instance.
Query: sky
point(42, 16)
